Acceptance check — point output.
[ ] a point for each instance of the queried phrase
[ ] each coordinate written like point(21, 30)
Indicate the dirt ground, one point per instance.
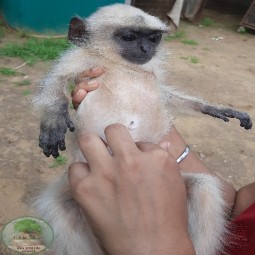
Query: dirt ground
point(224, 74)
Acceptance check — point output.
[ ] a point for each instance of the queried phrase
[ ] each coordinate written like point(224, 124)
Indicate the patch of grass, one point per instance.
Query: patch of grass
point(2, 32)
point(189, 42)
point(26, 92)
point(207, 22)
point(2, 80)
point(34, 49)
point(59, 161)
point(23, 34)
point(192, 59)
point(242, 30)
point(7, 71)
point(71, 86)
point(23, 83)
point(71, 106)
point(177, 36)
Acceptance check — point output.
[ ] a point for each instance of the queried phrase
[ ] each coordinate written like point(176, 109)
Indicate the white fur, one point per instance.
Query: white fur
point(134, 96)
point(207, 223)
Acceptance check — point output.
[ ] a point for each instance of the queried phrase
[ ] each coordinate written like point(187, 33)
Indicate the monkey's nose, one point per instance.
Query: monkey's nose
point(143, 49)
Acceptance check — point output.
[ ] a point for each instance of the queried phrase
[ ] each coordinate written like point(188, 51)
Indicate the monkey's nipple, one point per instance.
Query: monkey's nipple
point(132, 125)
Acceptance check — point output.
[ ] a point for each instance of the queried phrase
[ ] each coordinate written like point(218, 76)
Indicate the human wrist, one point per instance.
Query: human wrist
point(191, 163)
point(182, 246)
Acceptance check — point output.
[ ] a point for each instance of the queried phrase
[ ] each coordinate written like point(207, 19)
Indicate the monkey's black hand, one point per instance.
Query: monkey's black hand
point(226, 113)
point(52, 132)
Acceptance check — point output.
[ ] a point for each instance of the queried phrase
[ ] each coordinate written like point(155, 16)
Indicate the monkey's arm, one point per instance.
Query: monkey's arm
point(180, 102)
point(52, 103)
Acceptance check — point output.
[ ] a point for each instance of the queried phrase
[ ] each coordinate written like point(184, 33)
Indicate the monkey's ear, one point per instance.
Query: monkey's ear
point(77, 33)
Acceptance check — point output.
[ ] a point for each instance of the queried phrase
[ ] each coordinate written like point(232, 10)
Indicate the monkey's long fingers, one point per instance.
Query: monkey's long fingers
point(69, 123)
point(56, 142)
point(43, 142)
point(52, 139)
point(226, 113)
point(245, 120)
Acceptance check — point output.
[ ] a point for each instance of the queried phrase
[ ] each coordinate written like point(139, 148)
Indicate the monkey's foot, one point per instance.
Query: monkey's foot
point(226, 113)
point(52, 135)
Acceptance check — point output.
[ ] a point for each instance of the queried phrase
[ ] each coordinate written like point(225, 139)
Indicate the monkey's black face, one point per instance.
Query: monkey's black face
point(137, 46)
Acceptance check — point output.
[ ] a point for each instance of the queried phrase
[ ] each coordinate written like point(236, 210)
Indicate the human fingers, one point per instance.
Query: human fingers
point(120, 140)
point(90, 74)
point(81, 90)
point(84, 83)
point(77, 172)
point(77, 97)
point(145, 146)
point(94, 151)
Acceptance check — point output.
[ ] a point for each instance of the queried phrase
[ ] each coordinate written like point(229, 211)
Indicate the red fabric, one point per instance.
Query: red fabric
point(242, 236)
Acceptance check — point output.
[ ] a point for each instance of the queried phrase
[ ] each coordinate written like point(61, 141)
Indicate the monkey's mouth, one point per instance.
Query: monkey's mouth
point(139, 60)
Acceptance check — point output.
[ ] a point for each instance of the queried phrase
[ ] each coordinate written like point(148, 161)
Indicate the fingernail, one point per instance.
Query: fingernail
point(79, 92)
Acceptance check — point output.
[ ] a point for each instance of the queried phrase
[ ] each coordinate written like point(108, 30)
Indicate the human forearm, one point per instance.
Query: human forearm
point(193, 164)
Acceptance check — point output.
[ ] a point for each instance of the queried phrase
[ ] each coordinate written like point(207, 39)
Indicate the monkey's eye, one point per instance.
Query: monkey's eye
point(128, 37)
point(155, 38)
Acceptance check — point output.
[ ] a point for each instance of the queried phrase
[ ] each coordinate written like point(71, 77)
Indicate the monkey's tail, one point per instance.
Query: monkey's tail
point(72, 235)
point(207, 213)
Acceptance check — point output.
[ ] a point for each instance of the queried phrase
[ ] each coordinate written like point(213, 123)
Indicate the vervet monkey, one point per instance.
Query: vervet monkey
point(128, 43)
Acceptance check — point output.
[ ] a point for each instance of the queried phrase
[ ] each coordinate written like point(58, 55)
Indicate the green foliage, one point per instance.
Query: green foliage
point(207, 22)
point(23, 83)
point(2, 80)
point(7, 71)
point(176, 36)
point(2, 32)
point(71, 86)
point(59, 161)
point(34, 50)
point(71, 106)
point(26, 92)
point(28, 226)
point(180, 35)
point(189, 42)
point(192, 59)
point(242, 30)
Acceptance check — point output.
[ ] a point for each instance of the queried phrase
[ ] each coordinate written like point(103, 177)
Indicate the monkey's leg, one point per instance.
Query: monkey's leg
point(182, 102)
point(72, 235)
point(206, 210)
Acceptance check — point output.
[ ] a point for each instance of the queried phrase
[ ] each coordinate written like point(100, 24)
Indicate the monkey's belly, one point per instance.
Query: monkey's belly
point(146, 122)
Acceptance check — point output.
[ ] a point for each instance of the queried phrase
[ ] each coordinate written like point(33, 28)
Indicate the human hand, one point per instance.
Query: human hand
point(175, 141)
point(85, 83)
point(134, 198)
